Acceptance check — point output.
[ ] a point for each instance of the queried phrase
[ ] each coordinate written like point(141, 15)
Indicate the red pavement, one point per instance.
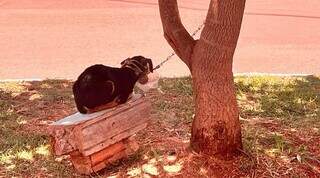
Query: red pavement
point(58, 39)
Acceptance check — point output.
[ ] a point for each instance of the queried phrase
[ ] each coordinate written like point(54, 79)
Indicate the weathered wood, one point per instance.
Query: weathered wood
point(90, 133)
point(108, 142)
point(99, 160)
point(98, 134)
point(62, 139)
point(81, 163)
point(93, 141)
point(115, 157)
point(107, 152)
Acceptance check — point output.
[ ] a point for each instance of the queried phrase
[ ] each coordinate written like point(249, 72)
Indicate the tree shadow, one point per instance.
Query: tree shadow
point(49, 99)
point(26, 110)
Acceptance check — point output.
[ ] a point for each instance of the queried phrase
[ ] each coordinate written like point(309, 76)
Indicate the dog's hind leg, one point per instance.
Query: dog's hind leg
point(82, 109)
point(109, 105)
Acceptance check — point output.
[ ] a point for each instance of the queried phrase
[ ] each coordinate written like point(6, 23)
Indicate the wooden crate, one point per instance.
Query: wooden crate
point(94, 140)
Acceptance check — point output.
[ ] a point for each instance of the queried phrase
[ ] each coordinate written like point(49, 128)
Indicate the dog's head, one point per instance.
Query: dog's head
point(140, 65)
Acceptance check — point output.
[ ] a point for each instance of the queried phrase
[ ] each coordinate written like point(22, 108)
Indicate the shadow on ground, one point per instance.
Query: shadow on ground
point(26, 109)
point(280, 125)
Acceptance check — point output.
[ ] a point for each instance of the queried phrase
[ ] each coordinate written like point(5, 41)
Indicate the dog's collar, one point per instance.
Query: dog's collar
point(130, 64)
point(136, 71)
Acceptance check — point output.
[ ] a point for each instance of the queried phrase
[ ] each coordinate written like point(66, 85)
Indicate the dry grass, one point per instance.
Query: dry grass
point(280, 124)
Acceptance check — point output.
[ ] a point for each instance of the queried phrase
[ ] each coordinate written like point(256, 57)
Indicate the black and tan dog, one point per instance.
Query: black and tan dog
point(100, 87)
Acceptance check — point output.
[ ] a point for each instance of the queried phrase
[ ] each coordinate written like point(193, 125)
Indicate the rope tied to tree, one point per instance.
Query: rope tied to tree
point(173, 53)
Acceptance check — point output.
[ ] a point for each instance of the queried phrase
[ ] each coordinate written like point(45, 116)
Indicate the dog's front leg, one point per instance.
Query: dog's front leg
point(123, 98)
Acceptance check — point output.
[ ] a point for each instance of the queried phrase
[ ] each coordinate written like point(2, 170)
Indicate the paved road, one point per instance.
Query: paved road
point(58, 39)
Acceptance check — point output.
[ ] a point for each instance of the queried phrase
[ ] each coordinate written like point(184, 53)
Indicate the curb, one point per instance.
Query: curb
point(250, 74)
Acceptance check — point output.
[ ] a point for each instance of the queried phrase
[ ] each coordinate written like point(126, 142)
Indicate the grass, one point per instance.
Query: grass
point(24, 148)
point(278, 115)
point(279, 97)
point(177, 98)
point(280, 119)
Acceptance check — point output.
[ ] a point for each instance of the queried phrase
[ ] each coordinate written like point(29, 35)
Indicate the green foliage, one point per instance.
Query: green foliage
point(286, 97)
point(24, 153)
point(181, 86)
point(280, 97)
point(294, 101)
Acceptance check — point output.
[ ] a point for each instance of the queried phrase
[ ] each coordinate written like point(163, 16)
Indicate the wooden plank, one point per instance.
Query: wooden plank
point(105, 163)
point(119, 109)
point(129, 146)
point(107, 152)
point(78, 118)
point(62, 140)
point(67, 134)
point(98, 161)
point(102, 145)
point(94, 132)
point(108, 128)
point(81, 163)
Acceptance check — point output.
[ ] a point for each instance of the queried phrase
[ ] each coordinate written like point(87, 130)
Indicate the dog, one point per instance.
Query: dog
point(101, 87)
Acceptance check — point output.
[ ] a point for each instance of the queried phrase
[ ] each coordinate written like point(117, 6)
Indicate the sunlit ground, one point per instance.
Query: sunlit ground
point(280, 126)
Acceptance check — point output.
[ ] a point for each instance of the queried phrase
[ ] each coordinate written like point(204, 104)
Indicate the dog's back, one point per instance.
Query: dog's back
point(93, 87)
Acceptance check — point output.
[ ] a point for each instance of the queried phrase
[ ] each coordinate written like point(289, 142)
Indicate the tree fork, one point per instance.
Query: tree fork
point(216, 127)
point(174, 32)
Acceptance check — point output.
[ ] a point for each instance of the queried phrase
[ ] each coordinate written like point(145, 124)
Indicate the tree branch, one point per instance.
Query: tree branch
point(174, 31)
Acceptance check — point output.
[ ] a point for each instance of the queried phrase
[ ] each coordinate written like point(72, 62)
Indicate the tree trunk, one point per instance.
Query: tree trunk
point(216, 127)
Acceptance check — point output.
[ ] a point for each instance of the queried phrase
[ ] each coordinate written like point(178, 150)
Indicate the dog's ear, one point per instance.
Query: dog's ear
point(124, 61)
point(150, 65)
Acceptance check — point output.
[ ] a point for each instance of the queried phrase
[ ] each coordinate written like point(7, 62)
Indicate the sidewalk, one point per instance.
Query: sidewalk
point(55, 39)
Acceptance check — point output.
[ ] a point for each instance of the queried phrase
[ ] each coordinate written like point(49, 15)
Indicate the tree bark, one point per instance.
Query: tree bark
point(216, 127)
point(174, 31)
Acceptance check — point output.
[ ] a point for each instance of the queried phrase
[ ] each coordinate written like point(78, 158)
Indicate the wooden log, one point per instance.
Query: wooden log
point(99, 160)
point(81, 163)
point(105, 163)
point(91, 133)
point(107, 153)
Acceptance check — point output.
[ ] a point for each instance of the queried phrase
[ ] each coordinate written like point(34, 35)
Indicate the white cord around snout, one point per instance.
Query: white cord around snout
point(153, 80)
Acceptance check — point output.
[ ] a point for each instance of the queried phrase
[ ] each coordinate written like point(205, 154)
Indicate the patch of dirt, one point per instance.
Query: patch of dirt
point(164, 144)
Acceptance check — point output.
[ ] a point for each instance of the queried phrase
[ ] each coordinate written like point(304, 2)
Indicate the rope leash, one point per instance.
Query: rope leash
point(173, 53)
